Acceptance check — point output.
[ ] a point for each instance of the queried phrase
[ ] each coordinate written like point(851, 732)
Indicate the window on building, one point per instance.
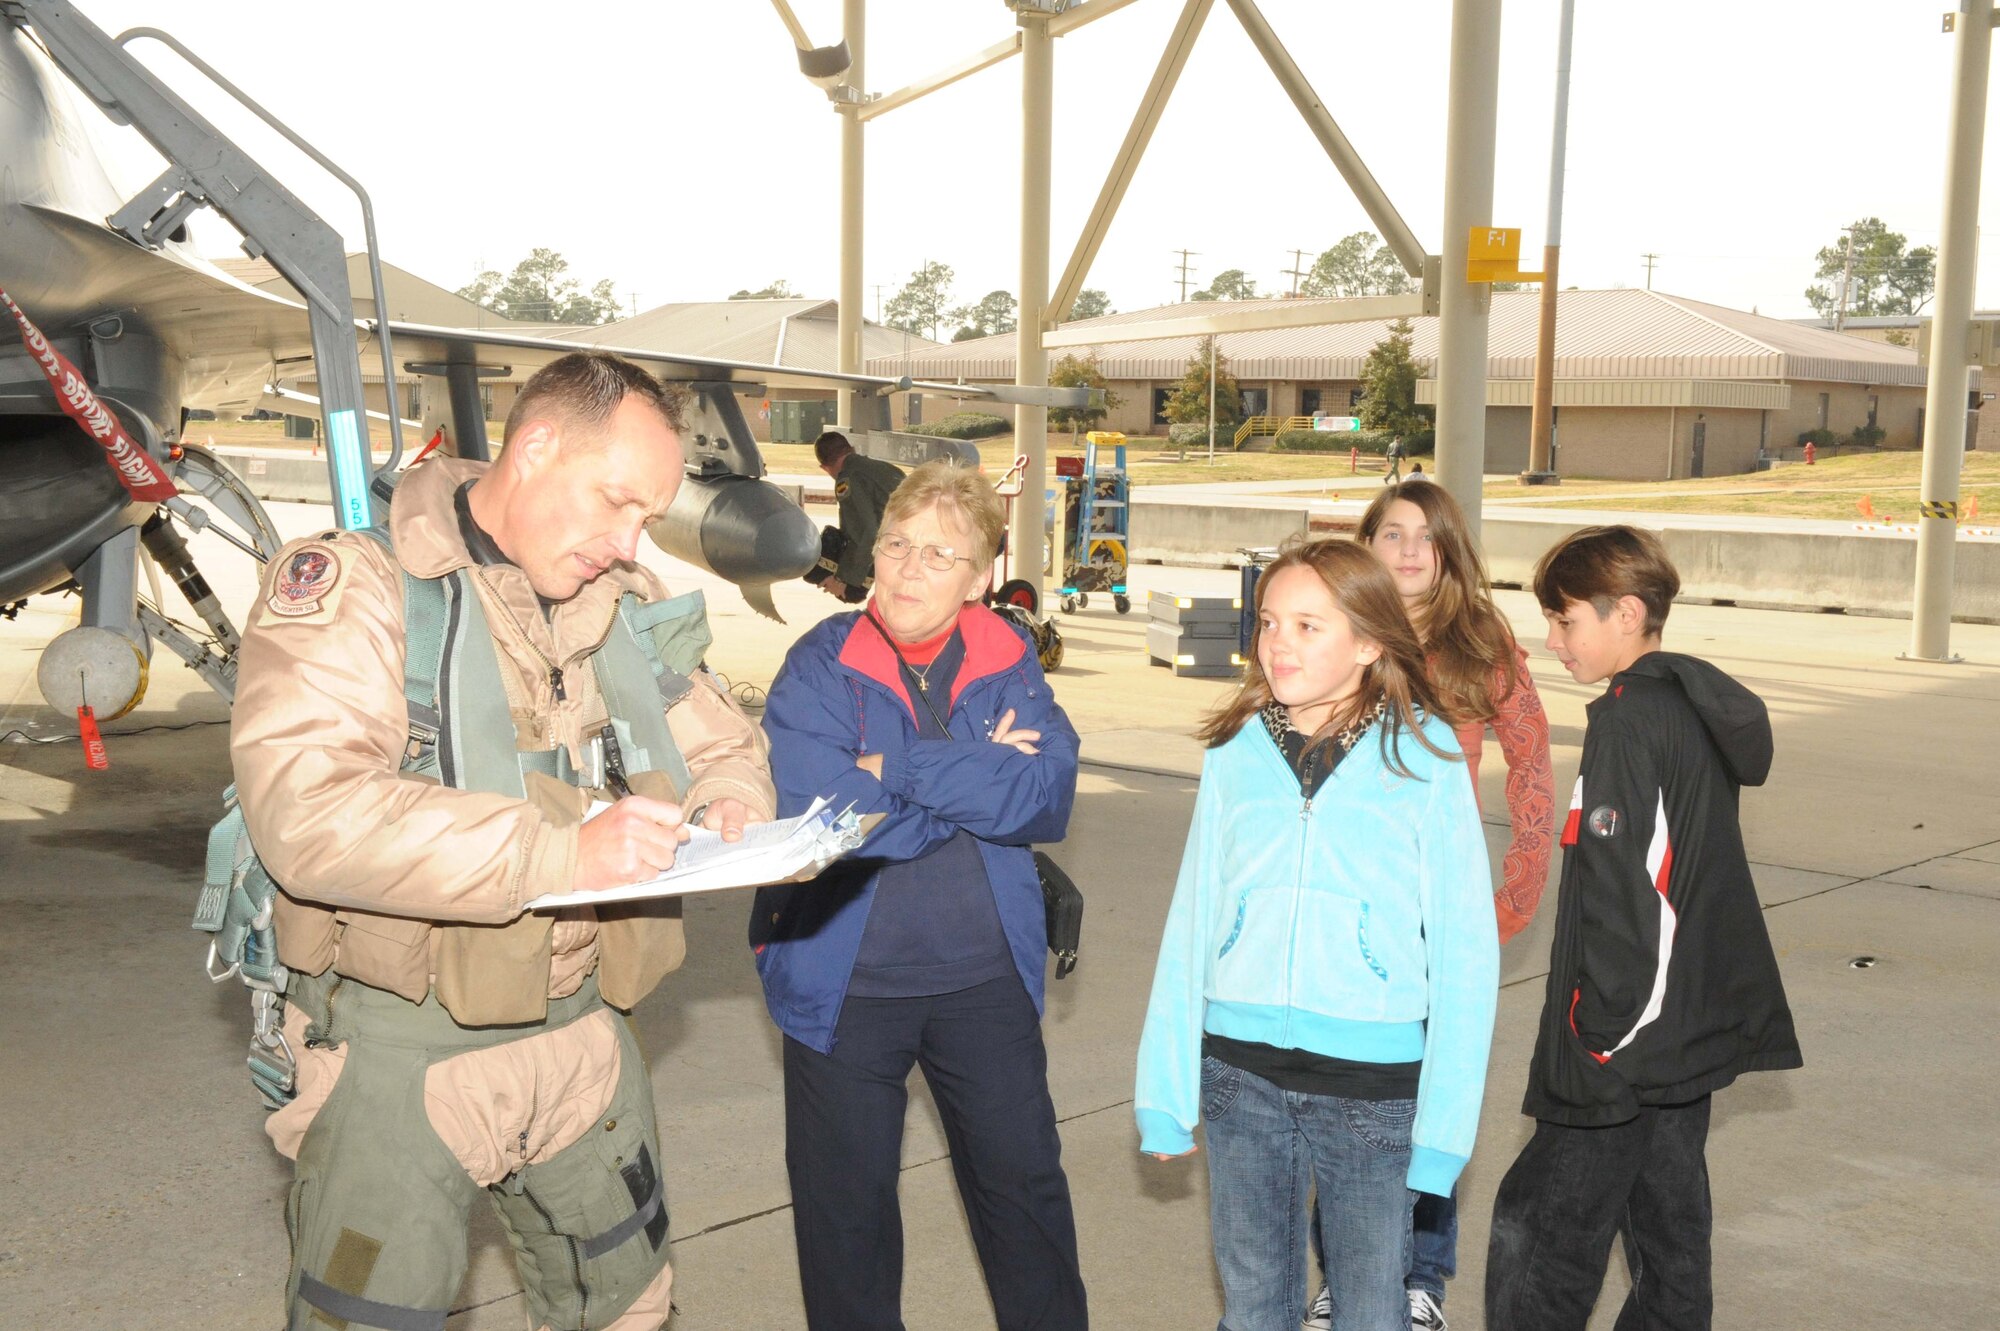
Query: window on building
point(486, 400)
point(1309, 402)
point(1256, 401)
point(1160, 396)
point(1874, 406)
point(1354, 396)
point(1825, 409)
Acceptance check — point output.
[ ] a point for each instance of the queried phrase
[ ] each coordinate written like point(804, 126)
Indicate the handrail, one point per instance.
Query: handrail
point(175, 45)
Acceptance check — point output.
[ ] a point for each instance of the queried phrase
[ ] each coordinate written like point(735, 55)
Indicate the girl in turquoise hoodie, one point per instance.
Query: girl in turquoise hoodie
point(1324, 995)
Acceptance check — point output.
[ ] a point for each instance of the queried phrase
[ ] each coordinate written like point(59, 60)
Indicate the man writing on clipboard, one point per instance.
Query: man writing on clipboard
point(445, 1041)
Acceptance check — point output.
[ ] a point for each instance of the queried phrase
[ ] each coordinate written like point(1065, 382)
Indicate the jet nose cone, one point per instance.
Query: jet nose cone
point(753, 533)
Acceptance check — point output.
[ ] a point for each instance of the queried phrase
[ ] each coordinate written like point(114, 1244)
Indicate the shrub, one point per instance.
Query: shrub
point(1866, 435)
point(1820, 438)
point(1329, 441)
point(962, 425)
point(1195, 434)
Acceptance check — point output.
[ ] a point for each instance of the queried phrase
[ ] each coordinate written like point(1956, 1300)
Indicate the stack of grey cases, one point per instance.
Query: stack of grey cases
point(1194, 635)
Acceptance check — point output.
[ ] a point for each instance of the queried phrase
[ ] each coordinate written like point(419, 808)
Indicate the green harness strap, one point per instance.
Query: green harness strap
point(461, 733)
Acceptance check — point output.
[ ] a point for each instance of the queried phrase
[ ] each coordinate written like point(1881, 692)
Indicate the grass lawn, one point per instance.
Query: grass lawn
point(1830, 489)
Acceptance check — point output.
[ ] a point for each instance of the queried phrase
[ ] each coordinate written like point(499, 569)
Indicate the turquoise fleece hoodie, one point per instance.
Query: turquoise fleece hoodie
point(1357, 924)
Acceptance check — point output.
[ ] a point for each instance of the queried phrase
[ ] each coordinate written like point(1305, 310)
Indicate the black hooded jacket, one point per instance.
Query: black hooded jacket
point(1662, 983)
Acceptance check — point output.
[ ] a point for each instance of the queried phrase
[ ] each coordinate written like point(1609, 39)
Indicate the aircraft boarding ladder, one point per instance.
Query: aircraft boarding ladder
point(205, 169)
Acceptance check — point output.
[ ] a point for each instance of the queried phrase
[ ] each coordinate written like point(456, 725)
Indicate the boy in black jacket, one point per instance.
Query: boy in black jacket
point(1662, 983)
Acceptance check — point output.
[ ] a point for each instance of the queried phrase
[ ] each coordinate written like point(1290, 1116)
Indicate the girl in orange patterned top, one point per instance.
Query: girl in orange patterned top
point(1480, 677)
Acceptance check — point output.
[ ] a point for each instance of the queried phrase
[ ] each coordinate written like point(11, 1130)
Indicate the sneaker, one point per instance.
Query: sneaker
point(1426, 1313)
point(1319, 1317)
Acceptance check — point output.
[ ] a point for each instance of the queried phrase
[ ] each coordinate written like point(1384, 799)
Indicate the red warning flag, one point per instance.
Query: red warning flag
point(141, 476)
point(94, 756)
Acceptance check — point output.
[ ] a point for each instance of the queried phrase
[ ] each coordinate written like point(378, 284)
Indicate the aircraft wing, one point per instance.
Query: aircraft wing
point(68, 270)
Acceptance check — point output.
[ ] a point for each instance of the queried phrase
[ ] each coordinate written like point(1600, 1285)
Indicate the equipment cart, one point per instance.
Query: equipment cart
point(1094, 522)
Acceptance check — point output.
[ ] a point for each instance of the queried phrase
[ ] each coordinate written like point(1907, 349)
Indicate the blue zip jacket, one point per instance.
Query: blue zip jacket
point(841, 695)
point(1358, 924)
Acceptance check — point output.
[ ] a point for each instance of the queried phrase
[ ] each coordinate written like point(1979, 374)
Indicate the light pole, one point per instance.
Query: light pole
point(1944, 397)
point(1541, 432)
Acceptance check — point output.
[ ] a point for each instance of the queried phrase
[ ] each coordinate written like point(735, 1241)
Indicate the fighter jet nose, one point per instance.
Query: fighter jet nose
point(742, 529)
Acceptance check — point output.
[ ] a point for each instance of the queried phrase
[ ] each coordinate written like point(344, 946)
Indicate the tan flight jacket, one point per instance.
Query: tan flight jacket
point(399, 882)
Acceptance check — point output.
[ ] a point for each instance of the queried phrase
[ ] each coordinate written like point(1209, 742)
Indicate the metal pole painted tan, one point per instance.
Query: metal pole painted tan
point(1944, 398)
point(1395, 232)
point(1031, 362)
point(1541, 431)
point(847, 325)
point(1468, 202)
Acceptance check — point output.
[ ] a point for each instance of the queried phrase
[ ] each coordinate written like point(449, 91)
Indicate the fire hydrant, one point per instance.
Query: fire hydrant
point(1811, 452)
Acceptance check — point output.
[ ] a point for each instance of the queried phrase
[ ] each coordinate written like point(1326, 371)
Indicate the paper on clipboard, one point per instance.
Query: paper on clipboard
point(789, 850)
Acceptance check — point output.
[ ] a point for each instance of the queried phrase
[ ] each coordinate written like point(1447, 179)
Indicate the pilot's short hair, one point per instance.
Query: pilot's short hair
point(947, 484)
point(830, 447)
point(580, 391)
point(1600, 565)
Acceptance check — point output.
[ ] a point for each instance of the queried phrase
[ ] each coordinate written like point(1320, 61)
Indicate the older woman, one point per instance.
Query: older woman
point(928, 948)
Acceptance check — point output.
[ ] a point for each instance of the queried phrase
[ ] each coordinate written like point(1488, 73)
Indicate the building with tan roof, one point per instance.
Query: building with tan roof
point(1648, 386)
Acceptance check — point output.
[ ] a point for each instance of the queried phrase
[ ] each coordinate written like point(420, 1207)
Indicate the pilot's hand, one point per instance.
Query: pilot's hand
point(870, 763)
point(1023, 739)
point(728, 817)
point(834, 587)
point(631, 841)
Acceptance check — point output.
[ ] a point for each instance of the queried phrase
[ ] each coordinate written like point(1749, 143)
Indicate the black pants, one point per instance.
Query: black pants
point(981, 1051)
point(1571, 1190)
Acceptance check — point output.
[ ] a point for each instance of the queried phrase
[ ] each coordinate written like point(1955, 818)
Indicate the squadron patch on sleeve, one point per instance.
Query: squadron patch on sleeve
point(840, 490)
point(1604, 822)
point(306, 582)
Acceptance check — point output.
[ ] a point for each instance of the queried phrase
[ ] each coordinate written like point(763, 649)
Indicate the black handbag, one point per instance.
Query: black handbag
point(1062, 911)
point(1062, 900)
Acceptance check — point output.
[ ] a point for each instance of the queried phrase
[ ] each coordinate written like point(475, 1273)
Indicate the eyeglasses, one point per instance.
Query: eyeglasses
point(937, 558)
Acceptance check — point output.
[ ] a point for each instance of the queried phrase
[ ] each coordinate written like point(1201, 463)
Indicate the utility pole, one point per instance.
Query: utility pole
point(1846, 281)
point(1650, 260)
point(1185, 256)
point(878, 301)
point(1541, 429)
point(1298, 257)
point(1211, 399)
point(1945, 396)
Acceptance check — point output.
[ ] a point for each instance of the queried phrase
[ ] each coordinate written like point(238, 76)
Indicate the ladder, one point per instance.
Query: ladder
point(205, 169)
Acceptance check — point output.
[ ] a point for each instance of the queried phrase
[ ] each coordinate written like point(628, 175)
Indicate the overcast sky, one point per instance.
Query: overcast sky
point(674, 148)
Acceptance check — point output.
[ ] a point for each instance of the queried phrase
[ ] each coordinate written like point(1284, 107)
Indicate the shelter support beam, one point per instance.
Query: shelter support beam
point(847, 320)
point(1468, 203)
point(1031, 362)
point(1180, 42)
point(1396, 233)
point(1945, 396)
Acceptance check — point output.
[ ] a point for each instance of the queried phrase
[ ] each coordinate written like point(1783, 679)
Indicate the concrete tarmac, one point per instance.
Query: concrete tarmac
point(1857, 1192)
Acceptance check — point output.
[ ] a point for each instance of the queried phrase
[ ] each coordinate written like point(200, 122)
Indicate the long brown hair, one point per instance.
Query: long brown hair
point(1364, 592)
point(1465, 637)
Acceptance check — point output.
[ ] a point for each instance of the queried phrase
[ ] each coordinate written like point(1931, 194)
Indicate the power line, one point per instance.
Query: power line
point(1185, 256)
point(1650, 259)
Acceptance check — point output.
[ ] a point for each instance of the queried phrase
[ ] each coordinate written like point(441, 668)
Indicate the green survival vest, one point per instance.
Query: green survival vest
point(462, 735)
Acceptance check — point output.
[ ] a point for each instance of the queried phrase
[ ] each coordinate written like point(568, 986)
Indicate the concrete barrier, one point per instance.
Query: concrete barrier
point(283, 475)
point(1208, 533)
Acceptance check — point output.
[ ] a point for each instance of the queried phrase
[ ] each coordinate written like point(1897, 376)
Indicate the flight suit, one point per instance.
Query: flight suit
point(863, 488)
point(447, 1042)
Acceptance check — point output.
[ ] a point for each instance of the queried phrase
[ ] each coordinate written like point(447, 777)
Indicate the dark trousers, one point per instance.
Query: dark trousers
point(981, 1052)
point(1571, 1190)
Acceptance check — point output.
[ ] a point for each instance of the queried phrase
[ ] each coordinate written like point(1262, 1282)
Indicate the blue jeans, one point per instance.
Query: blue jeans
point(1434, 1243)
point(1267, 1151)
point(1571, 1191)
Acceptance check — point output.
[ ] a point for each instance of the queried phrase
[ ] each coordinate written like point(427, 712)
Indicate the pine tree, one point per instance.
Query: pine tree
point(1389, 385)
point(1188, 403)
